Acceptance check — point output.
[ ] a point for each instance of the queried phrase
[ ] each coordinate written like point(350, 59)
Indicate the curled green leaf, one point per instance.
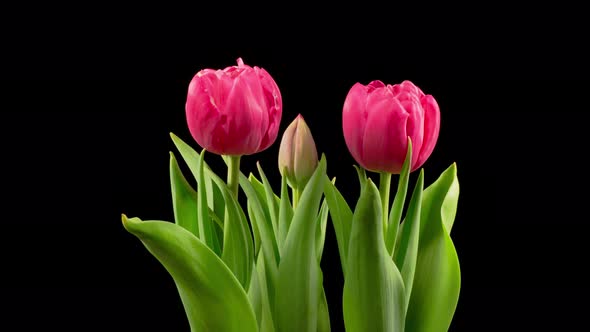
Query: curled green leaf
point(212, 297)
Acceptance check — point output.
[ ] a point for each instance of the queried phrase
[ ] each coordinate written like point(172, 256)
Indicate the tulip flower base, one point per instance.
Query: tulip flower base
point(257, 267)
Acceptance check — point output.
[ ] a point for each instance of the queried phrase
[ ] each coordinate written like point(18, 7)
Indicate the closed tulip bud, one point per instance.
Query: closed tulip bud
point(234, 111)
point(377, 120)
point(298, 157)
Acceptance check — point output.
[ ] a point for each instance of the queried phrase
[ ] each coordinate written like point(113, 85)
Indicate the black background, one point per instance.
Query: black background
point(88, 101)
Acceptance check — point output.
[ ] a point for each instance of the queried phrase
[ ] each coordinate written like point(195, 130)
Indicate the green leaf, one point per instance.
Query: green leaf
point(341, 216)
point(212, 297)
point(297, 299)
point(216, 205)
point(184, 199)
point(255, 231)
point(238, 251)
point(320, 235)
point(437, 280)
point(407, 253)
point(362, 174)
point(261, 194)
point(395, 213)
point(285, 212)
point(263, 223)
point(272, 201)
point(190, 156)
point(259, 297)
point(267, 239)
point(206, 228)
point(373, 297)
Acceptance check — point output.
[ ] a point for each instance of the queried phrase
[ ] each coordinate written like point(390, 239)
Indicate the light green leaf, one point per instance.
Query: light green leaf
point(373, 288)
point(238, 252)
point(216, 205)
point(212, 297)
point(267, 239)
point(362, 174)
point(261, 194)
point(407, 253)
point(320, 235)
point(259, 296)
point(272, 201)
point(285, 212)
point(437, 280)
point(297, 300)
point(263, 224)
point(397, 207)
point(255, 231)
point(184, 199)
point(341, 216)
point(206, 227)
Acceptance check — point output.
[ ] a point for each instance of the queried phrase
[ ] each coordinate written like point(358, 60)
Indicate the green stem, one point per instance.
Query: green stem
point(295, 193)
point(233, 175)
point(384, 186)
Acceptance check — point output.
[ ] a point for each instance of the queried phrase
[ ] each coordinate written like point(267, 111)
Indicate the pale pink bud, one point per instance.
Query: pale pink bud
point(298, 156)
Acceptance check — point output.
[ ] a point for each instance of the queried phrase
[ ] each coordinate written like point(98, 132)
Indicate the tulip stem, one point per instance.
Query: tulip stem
point(384, 188)
point(296, 193)
point(233, 175)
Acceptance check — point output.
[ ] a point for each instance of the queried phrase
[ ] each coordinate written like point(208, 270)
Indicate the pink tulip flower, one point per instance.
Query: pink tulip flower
point(377, 120)
point(234, 111)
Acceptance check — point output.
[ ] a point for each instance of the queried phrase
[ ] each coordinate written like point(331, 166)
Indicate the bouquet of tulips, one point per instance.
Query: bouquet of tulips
point(257, 267)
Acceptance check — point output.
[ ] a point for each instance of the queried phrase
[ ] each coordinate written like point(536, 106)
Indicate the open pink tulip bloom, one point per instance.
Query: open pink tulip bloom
point(377, 120)
point(234, 111)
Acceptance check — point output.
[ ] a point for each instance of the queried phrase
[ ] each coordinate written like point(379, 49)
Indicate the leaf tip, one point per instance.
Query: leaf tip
point(125, 221)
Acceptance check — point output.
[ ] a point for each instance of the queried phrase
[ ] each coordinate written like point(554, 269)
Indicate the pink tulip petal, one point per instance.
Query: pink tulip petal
point(199, 106)
point(243, 113)
point(274, 106)
point(431, 128)
point(385, 137)
point(415, 125)
point(354, 118)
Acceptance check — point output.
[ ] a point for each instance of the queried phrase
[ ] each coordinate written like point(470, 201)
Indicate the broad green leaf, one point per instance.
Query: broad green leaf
point(323, 313)
point(238, 251)
point(407, 253)
point(297, 299)
point(206, 227)
point(285, 212)
point(437, 280)
point(212, 297)
point(397, 207)
point(320, 235)
point(341, 216)
point(373, 297)
point(184, 199)
point(272, 201)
